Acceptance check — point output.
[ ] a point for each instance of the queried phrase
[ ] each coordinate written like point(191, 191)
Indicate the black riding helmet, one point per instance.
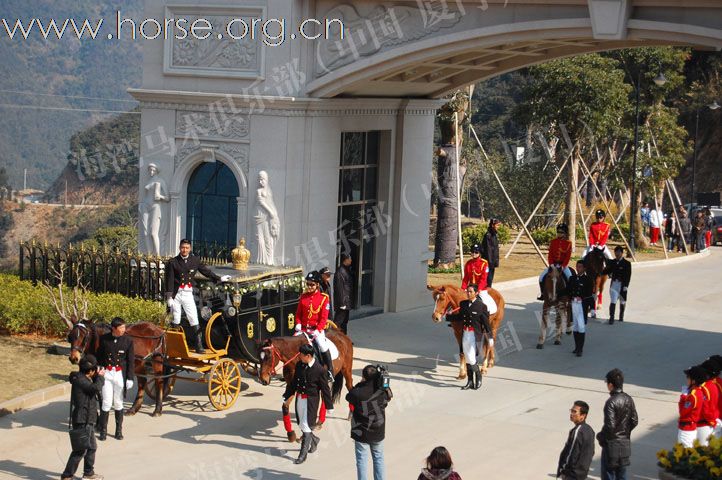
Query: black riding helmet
point(600, 213)
point(697, 374)
point(563, 228)
point(313, 277)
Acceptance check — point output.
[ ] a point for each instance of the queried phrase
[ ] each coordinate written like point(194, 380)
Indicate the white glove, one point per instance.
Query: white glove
point(225, 278)
point(297, 327)
point(128, 384)
point(315, 333)
point(170, 303)
point(491, 343)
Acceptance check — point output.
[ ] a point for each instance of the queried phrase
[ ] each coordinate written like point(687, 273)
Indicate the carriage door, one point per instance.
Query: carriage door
point(212, 206)
point(357, 209)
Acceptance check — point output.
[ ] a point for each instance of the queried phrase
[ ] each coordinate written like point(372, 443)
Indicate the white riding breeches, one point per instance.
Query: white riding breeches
point(686, 437)
point(703, 434)
point(615, 292)
point(607, 252)
point(321, 341)
point(185, 302)
point(578, 316)
point(488, 301)
point(112, 391)
point(302, 412)
point(470, 346)
point(567, 273)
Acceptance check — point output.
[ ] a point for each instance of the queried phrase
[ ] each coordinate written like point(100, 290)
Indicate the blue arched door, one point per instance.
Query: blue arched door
point(212, 206)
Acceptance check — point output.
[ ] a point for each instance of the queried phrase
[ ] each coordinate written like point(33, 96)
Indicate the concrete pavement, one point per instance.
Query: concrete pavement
point(513, 428)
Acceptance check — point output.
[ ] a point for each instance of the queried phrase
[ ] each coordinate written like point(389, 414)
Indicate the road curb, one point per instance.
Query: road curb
point(32, 399)
point(529, 281)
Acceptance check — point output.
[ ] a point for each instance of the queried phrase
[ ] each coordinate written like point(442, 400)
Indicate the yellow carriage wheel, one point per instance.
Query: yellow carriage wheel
point(224, 383)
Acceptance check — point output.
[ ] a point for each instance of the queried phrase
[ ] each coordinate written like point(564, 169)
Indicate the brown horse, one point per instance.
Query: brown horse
point(148, 343)
point(594, 264)
point(555, 298)
point(447, 299)
point(285, 350)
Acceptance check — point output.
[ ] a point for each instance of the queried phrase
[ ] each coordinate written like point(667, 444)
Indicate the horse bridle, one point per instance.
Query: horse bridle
point(86, 340)
point(275, 358)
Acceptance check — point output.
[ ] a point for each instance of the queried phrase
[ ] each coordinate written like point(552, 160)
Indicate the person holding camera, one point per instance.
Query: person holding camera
point(87, 385)
point(368, 400)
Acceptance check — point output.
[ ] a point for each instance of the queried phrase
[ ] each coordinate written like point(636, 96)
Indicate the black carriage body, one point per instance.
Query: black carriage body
point(264, 299)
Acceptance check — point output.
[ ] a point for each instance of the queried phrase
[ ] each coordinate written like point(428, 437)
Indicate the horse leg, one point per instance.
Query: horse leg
point(159, 385)
point(543, 330)
point(138, 396)
point(462, 357)
point(560, 315)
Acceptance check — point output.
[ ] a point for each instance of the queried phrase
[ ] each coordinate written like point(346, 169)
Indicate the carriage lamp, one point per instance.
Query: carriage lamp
point(236, 299)
point(206, 312)
point(230, 311)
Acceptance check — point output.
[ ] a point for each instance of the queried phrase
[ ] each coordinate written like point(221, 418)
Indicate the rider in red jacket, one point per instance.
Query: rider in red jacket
point(560, 252)
point(598, 235)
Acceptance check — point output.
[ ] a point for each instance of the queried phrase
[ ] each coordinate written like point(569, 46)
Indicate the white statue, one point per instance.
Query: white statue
point(150, 209)
point(267, 224)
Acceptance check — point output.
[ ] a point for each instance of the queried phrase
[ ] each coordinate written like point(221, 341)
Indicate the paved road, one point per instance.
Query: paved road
point(513, 428)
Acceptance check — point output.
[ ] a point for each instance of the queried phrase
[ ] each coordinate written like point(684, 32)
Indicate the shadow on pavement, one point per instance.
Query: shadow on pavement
point(20, 470)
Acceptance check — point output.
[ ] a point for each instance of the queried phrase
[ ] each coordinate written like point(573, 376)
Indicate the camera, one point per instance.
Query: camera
point(383, 379)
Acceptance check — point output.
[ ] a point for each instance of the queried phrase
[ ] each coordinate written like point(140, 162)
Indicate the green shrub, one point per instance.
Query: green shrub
point(122, 238)
point(475, 235)
point(28, 309)
point(456, 269)
point(544, 236)
point(614, 233)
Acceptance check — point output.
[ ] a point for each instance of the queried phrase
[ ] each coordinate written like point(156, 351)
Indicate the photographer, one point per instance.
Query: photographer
point(87, 385)
point(368, 400)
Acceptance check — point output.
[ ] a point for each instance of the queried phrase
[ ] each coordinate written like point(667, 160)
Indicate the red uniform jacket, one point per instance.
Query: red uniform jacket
point(560, 251)
point(598, 233)
point(312, 311)
point(690, 409)
point(718, 381)
point(710, 406)
point(475, 271)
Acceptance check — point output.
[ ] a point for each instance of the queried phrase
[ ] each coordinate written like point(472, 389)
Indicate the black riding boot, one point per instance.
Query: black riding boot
point(198, 338)
point(103, 425)
point(541, 291)
point(329, 363)
point(469, 378)
point(611, 313)
point(119, 424)
point(305, 446)
point(622, 306)
point(314, 443)
point(576, 342)
point(477, 374)
point(580, 348)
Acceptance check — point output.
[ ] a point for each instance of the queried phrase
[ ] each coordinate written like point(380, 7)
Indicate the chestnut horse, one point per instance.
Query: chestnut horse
point(148, 343)
point(447, 299)
point(555, 298)
point(285, 350)
point(594, 264)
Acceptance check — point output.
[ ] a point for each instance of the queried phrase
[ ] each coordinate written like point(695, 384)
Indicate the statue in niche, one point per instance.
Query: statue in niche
point(150, 209)
point(268, 226)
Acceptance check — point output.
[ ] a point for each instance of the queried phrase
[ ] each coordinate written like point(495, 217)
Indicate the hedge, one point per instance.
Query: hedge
point(29, 310)
point(544, 236)
point(475, 235)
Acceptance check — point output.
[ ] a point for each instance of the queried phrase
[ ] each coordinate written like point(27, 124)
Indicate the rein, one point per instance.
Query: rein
point(277, 357)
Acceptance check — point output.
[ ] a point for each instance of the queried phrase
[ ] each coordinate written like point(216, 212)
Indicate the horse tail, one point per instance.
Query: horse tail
point(337, 386)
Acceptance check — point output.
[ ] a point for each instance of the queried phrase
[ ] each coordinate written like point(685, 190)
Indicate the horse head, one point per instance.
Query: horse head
point(79, 337)
point(443, 302)
point(270, 356)
point(553, 282)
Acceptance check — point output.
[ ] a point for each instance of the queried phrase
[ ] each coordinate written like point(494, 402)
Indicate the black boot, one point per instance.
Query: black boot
point(580, 349)
point(305, 446)
point(622, 306)
point(314, 443)
point(329, 363)
point(198, 337)
point(576, 342)
point(477, 375)
point(611, 313)
point(103, 425)
point(469, 378)
point(119, 424)
point(541, 291)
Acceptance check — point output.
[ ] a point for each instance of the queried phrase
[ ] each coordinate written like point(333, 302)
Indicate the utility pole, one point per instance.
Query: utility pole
point(25, 179)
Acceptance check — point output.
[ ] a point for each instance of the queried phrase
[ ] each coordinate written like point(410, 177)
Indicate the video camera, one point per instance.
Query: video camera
point(383, 379)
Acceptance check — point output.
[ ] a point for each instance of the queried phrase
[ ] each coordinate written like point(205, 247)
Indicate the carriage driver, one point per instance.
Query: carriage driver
point(312, 315)
point(560, 252)
point(475, 318)
point(598, 235)
point(115, 355)
point(476, 271)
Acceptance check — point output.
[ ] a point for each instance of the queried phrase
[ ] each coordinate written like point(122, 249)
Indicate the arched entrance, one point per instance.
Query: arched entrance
point(212, 205)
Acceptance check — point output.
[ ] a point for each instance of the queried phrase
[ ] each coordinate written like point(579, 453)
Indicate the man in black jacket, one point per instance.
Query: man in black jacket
point(342, 285)
point(620, 418)
point(309, 383)
point(490, 249)
point(368, 400)
point(580, 291)
point(620, 273)
point(180, 274)
point(115, 354)
point(475, 318)
point(87, 385)
point(577, 454)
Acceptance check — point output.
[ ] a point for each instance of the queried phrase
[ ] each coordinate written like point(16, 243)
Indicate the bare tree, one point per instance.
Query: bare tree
point(71, 310)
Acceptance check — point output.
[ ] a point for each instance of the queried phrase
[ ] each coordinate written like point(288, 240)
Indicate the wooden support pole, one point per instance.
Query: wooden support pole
point(584, 223)
point(670, 184)
point(458, 193)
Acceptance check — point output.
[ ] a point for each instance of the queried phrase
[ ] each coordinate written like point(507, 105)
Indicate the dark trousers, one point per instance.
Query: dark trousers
point(340, 318)
point(490, 276)
point(616, 473)
point(76, 455)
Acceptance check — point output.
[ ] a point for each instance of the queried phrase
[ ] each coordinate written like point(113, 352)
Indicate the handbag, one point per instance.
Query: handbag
point(80, 437)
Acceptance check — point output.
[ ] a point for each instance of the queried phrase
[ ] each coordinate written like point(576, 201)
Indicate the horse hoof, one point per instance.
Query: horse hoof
point(156, 414)
point(557, 342)
point(130, 413)
point(569, 332)
point(539, 346)
point(292, 437)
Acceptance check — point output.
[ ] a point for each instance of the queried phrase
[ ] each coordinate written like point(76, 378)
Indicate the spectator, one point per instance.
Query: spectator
point(577, 454)
point(685, 229)
point(87, 384)
point(439, 466)
point(342, 286)
point(697, 239)
point(644, 213)
point(655, 223)
point(690, 407)
point(325, 287)
point(708, 226)
point(671, 231)
point(490, 249)
point(620, 418)
point(368, 400)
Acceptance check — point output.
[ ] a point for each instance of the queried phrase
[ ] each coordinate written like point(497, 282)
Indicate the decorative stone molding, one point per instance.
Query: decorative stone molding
point(239, 152)
point(213, 56)
point(215, 123)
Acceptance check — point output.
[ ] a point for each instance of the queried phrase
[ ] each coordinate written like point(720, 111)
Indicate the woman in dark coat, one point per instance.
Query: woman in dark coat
point(87, 385)
point(439, 466)
point(490, 249)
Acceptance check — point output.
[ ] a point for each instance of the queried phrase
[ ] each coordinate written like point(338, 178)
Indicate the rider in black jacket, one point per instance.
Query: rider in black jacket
point(620, 418)
point(620, 273)
point(580, 291)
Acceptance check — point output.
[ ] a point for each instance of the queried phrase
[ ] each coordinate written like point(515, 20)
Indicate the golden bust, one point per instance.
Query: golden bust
point(241, 255)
